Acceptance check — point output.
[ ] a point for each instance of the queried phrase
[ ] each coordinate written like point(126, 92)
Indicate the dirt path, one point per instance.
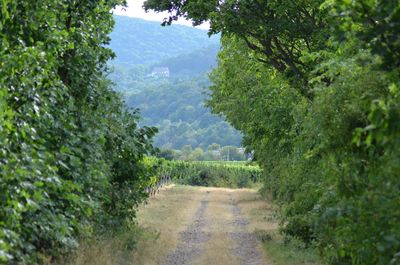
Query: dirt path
point(186, 225)
point(191, 240)
point(202, 226)
point(246, 242)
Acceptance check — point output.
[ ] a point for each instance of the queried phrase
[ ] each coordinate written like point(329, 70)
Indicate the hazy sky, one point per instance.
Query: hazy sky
point(135, 9)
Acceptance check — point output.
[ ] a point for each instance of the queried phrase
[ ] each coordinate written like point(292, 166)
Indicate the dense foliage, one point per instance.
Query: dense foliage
point(210, 173)
point(70, 153)
point(314, 88)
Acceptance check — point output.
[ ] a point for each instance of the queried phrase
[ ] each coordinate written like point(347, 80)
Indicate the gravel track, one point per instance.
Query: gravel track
point(246, 243)
point(191, 239)
point(241, 247)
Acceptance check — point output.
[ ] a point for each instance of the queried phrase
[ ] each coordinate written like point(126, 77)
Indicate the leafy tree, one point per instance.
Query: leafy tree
point(167, 154)
point(214, 147)
point(231, 153)
point(71, 155)
point(374, 23)
point(279, 31)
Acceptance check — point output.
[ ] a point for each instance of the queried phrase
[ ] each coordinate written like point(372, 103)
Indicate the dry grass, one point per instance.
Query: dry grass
point(107, 252)
point(167, 214)
point(263, 221)
point(260, 212)
point(159, 221)
point(217, 250)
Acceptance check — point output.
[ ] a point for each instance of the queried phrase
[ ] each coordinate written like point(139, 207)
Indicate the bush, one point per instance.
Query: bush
point(71, 155)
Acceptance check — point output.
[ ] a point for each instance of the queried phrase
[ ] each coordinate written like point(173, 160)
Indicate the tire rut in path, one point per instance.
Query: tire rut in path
point(246, 243)
point(190, 240)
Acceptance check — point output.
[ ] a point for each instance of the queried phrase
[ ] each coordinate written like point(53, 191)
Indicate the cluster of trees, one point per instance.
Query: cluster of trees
point(176, 106)
point(71, 154)
point(314, 86)
point(213, 152)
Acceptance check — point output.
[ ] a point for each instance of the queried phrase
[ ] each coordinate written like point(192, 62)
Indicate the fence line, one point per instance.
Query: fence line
point(155, 188)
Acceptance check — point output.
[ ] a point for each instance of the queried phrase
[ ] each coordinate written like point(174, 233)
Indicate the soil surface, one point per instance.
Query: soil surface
point(217, 233)
point(246, 243)
point(191, 240)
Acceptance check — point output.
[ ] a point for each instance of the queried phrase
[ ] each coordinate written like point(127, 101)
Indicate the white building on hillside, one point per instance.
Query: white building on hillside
point(160, 72)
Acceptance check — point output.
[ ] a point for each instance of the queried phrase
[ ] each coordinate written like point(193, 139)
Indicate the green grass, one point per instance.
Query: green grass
point(292, 252)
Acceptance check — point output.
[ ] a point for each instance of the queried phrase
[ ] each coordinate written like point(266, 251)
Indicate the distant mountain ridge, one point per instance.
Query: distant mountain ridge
point(140, 42)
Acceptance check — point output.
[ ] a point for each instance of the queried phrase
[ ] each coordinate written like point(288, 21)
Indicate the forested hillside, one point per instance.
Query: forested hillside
point(174, 104)
point(194, 63)
point(141, 45)
point(141, 42)
point(314, 88)
point(177, 107)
